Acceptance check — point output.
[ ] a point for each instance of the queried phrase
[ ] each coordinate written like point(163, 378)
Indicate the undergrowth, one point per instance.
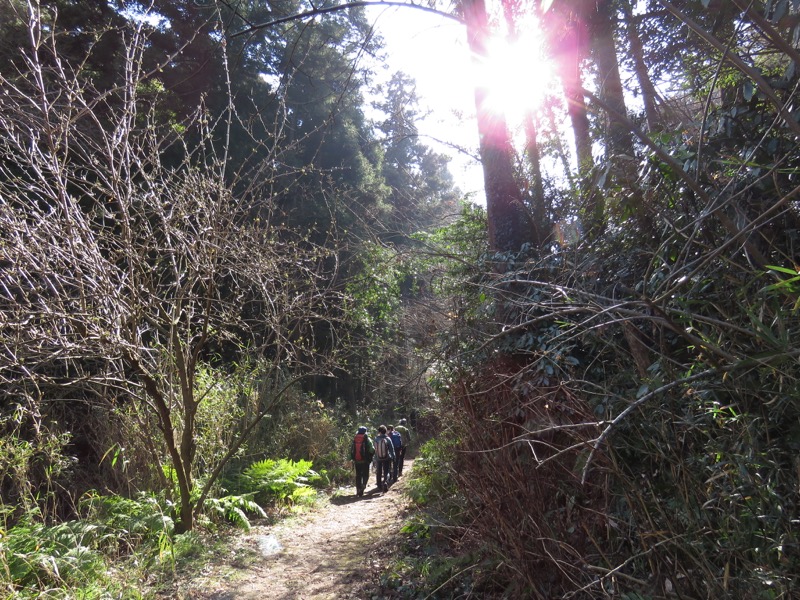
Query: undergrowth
point(74, 558)
point(612, 447)
point(122, 546)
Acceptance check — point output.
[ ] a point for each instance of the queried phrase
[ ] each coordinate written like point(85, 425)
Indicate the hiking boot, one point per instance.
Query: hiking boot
point(385, 487)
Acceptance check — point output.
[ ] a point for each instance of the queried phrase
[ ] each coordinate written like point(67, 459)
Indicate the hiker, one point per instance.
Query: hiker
point(361, 453)
point(384, 456)
point(397, 443)
point(406, 435)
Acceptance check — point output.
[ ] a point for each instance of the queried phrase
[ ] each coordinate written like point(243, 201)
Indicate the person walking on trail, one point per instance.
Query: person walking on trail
point(361, 452)
point(405, 434)
point(397, 443)
point(384, 456)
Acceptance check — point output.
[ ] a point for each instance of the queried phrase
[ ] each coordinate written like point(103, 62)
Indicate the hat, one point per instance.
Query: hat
point(402, 421)
point(362, 429)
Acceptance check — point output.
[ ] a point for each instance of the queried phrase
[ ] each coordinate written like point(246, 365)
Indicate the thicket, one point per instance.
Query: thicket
point(129, 547)
point(621, 407)
point(632, 432)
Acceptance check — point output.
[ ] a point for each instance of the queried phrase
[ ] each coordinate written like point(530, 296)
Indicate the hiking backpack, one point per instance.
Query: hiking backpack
point(397, 440)
point(360, 446)
point(380, 447)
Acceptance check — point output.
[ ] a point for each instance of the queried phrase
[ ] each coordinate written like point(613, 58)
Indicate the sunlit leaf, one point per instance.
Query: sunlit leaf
point(782, 270)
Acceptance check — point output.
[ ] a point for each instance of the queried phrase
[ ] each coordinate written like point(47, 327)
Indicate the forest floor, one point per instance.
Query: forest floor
point(330, 552)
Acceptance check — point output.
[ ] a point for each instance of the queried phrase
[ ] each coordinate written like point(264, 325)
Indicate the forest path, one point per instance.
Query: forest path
point(324, 554)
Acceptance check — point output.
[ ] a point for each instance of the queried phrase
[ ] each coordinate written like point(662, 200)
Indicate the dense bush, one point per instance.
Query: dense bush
point(606, 443)
point(72, 558)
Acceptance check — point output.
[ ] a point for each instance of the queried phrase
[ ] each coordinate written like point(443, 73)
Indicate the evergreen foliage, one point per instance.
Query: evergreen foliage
point(422, 192)
point(71, 558)
point(234, 509)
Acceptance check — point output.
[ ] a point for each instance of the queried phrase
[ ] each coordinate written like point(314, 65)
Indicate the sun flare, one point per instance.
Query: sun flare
point(517, 74)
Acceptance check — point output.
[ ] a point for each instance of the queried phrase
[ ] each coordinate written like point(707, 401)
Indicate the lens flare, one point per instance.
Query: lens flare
point(516, 74)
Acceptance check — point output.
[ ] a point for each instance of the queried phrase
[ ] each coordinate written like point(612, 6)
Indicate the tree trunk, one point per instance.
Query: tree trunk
point(542, 228)
point(636, 48)
point(620, 152)
point(509, 228)
point(618, 137)
point(541, 215)
point(568, 34)
point(186, 516)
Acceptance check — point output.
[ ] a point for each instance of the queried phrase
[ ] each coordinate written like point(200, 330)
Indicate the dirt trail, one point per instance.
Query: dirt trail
point(323, 555)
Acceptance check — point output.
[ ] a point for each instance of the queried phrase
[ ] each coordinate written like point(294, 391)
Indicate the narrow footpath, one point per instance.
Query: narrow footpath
point(330, 553)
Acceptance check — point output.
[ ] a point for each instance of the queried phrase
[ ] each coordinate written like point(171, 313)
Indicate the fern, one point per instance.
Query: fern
point(71, 555)
point(234, 509)
point(279, 481)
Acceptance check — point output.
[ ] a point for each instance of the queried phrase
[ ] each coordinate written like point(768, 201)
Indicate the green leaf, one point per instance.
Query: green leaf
point(783, 270)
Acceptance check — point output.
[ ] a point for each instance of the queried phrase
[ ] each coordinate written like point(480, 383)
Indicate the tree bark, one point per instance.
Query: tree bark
point(541, 215)
point(618, 137)
point(620, 151)
point(509, 227)
point(186, 513)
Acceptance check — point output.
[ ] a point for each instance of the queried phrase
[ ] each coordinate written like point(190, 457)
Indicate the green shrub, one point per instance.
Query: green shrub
point(38, 556)
point(128, 522)
point(431, 481)
point(280, 481)
point(226, 398)
point(70, 559)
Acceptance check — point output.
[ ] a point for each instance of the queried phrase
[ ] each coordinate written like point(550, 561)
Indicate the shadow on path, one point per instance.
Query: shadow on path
point(327, 554)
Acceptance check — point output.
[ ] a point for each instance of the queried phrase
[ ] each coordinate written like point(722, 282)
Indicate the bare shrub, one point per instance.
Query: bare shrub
point(131, 258)
point(518, 465)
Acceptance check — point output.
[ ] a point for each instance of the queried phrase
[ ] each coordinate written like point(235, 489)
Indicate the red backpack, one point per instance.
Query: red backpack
point(360, 444)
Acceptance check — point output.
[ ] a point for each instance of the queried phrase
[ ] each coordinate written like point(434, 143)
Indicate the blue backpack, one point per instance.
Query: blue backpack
point(397, 440)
